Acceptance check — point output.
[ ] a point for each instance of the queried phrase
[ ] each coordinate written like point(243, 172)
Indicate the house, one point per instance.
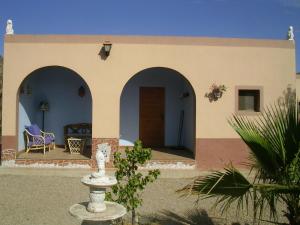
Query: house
point(162, 90)
point(298, 86)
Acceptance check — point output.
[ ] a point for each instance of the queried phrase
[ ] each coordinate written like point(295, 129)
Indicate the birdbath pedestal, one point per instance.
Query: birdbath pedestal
point(97, 209)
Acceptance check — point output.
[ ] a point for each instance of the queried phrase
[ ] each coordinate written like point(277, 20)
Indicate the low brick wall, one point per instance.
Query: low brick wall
point(8, 154)
point(214, 153)
point(55, 162)
point(8, 148)
point(210, 153)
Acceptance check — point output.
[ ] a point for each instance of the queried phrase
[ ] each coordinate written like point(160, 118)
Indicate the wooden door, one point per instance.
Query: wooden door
point(152, 116)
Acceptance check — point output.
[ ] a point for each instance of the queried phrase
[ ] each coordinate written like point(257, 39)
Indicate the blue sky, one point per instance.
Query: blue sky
point(267, 19)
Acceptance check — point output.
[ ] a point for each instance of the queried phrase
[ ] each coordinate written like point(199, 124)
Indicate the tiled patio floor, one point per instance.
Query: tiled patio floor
point(169, 154)
point(58, 153)
point(161, 154)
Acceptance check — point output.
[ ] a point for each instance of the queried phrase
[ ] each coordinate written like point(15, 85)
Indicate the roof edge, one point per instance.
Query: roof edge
point(136, 39)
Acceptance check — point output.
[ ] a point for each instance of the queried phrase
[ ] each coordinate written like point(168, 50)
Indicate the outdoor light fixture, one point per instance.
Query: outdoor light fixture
point(185, 95)
point(107, 47)
point(25, 89)
point(22, 91)
point(44, 106)
point(29, 90)
point(81, 91)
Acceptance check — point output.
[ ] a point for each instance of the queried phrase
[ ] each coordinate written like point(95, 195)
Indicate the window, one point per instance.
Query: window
point(248, 99)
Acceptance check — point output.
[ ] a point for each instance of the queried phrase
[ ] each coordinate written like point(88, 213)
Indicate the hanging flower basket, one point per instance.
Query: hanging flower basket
point(216, 92)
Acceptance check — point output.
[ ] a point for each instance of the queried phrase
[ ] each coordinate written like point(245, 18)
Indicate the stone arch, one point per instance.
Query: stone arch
point(78, 73)
point(180, 107)
point(58, 85)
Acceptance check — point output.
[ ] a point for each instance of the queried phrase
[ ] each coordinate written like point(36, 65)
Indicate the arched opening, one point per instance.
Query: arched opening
point(157, 106)
point(68, 111)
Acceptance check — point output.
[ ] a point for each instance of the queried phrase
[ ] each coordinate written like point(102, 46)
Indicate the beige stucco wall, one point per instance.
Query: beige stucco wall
point(298, 86)
point(205, 61)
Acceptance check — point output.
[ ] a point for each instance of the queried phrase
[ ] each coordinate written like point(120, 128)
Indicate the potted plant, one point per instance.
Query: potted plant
point(216, 92)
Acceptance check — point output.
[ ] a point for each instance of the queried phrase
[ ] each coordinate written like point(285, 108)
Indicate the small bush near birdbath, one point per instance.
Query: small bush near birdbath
point(131, 182)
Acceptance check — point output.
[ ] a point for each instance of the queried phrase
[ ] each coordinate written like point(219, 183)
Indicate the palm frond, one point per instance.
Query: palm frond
point(274, 142)
point(277, 188)
point(261, 151)
point(262, 201)
point(273, 138)
point(268, 195)
point(228, 186)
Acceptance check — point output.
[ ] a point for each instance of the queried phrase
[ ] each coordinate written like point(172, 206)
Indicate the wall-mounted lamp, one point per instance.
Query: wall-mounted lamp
point(29, 90)
point(25, 89)
point(107, 47)
point(184, 95)
point(22, 90)
point(81, 91)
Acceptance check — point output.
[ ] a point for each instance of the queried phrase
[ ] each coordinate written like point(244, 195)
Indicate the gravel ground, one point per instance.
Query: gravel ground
point(45, 200)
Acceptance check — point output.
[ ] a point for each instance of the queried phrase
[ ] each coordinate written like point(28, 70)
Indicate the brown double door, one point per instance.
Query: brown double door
point(152, 116)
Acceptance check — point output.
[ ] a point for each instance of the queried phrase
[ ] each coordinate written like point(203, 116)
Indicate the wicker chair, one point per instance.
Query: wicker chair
point(37, 139)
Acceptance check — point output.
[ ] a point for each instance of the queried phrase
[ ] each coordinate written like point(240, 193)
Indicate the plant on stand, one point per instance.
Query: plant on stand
point(131, 182)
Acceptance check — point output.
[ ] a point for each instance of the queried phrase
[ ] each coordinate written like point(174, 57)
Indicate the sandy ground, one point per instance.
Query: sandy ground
point(43, 197)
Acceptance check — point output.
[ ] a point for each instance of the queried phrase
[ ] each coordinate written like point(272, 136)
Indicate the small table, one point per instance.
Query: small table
point(76, 145)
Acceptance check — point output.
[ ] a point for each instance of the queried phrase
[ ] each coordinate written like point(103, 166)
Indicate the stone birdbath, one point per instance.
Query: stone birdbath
point(97, 209)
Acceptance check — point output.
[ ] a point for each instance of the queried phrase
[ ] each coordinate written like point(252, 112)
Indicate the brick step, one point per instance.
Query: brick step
point(54, 162)
point(178, 164)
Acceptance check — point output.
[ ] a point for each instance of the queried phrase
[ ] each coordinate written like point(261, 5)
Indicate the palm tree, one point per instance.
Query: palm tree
point(273, 139)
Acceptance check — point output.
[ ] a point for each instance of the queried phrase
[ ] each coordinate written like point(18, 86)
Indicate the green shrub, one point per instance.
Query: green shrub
point(131, 182)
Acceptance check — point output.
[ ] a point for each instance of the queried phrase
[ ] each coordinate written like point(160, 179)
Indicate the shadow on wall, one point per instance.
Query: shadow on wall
point(288, 95)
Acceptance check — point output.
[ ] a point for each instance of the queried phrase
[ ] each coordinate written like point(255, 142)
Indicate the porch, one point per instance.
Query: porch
point(57, 153)
point(62, 157)
point(168, 154)
point(65, 117)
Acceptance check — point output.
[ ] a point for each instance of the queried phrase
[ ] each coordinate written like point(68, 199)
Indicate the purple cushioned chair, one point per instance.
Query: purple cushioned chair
point(37, 139)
